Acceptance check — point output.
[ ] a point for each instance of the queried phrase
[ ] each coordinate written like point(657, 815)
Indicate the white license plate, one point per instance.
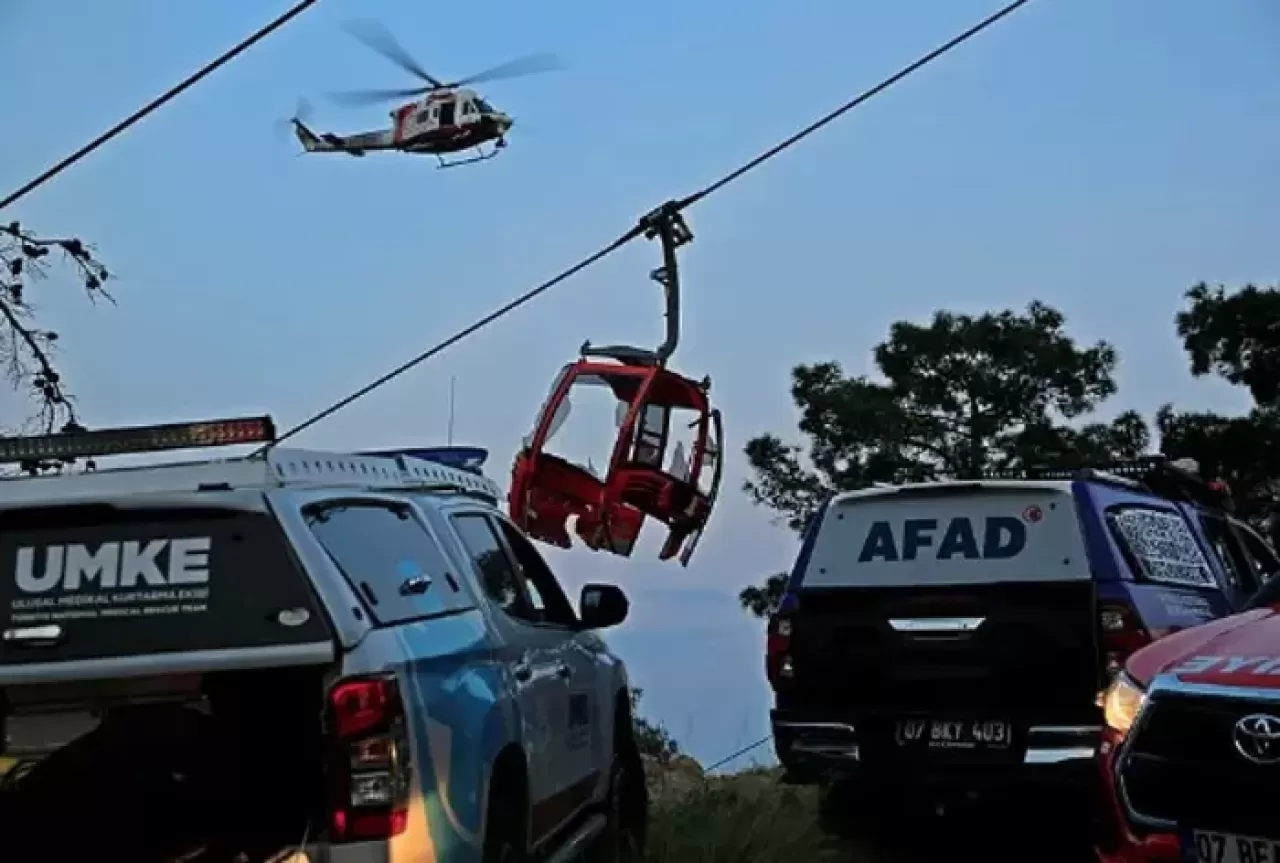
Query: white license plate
point(954, 734)
point(1207, 846)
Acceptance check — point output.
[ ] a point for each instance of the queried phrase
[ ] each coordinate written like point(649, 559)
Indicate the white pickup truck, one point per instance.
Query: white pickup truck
point(298, 655)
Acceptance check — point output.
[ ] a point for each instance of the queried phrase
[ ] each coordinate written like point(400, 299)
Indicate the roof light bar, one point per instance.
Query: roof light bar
point(137, 439)
point(1132, 468)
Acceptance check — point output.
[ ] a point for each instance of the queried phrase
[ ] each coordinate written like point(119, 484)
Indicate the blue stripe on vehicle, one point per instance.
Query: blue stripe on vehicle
point(796, 578)
point(455, 682)
point(1097, 539)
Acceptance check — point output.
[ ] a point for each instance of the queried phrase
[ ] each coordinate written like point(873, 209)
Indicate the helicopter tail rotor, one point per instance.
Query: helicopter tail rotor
point(294, 125)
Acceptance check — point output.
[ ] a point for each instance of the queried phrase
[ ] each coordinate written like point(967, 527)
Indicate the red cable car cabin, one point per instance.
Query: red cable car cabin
point(546, 489)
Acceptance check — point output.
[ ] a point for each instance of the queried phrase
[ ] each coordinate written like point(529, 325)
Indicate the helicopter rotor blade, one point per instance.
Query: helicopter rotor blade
point(377, 38)
point(360, 98)
point(529, 65)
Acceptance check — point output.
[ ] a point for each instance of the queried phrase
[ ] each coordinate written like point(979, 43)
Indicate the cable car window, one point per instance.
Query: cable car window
point(499, 578)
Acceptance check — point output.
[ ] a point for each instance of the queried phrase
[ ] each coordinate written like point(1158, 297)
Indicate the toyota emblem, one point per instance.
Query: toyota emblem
point(1257, 738)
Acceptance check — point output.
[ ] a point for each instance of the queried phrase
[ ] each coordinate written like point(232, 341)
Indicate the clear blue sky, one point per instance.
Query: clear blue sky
point(1098, 155)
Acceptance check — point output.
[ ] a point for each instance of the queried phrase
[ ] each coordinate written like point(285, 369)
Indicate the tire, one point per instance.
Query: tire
point(506, 833)
point(626, 813)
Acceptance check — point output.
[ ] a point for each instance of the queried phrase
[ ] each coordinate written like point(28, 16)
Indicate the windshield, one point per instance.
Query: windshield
point(484, 107)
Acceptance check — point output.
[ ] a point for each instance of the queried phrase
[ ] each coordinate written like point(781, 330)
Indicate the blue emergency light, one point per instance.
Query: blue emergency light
point(467, 458)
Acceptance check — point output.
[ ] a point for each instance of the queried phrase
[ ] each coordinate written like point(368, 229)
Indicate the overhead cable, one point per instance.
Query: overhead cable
point(159, 101)
point(454, 339)
point(862, 97)
point(676, 206)
point(739, 753)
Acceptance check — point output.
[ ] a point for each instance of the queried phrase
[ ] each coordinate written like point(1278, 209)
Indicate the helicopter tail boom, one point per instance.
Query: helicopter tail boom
point(353, 145)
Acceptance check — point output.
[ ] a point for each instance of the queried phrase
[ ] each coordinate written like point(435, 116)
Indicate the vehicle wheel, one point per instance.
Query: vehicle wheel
point(627, 814)
point(505, 837)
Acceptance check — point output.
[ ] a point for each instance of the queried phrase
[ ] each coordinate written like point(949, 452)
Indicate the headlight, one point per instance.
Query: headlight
point(1122, 702)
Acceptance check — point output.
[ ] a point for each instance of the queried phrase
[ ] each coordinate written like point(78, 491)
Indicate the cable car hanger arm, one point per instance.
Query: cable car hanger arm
point(667, 225)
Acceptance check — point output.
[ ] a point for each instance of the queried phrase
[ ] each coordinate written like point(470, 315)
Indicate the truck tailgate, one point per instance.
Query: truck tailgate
point(973, 597)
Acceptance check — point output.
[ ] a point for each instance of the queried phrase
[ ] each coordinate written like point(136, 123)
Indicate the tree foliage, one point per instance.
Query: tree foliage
point(652, 738)
point(1235, 336)
point(761, 600)
point(1243, 451)
point(957, 396)
point(1001, 390)
point(28, 350)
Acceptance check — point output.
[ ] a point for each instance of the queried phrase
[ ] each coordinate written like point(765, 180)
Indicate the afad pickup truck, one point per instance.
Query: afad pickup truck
point(952, 640)
point(1190, 757)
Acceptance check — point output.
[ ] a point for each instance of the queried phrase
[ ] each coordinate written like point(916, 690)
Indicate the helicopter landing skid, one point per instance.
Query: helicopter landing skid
point(481, 156)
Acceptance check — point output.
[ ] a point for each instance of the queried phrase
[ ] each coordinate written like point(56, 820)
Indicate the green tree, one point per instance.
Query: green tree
point(1235, 336)
point(27, 350)
point(957, 396)
point(761, 600)
point(652, 738)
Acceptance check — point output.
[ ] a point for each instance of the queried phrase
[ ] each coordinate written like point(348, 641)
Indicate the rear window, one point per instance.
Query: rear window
point(389, 558)
point(1162, 546)
point(97, 582)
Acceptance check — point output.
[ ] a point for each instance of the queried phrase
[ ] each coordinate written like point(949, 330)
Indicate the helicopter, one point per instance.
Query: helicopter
point(444, 118)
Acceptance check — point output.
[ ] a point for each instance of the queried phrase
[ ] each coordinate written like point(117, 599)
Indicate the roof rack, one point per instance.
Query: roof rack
point(418, 469)
point(1175, 479)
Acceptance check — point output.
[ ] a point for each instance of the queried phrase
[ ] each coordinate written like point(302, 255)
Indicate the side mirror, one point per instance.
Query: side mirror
point(602, 606)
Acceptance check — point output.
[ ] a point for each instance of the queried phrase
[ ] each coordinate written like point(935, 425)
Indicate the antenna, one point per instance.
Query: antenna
point(449, 436)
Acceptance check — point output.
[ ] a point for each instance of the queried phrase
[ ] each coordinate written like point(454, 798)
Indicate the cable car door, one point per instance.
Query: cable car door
point(712, 455)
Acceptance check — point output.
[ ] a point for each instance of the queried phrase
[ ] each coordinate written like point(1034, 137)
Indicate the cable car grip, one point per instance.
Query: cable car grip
point(664, 223)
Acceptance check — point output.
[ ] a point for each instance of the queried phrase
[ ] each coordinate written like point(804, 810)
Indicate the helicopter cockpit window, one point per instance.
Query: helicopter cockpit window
point(483, 107)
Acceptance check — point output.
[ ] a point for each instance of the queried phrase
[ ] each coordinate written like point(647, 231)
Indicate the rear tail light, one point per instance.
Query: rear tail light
point(1121, 634)
point(777, 661)
point(370, 767)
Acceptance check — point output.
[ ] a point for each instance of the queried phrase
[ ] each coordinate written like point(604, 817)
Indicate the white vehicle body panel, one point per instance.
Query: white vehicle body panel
point(931, 534)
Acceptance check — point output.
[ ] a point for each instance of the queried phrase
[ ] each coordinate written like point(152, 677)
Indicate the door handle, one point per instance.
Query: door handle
point(416, 585)
point(564, 671)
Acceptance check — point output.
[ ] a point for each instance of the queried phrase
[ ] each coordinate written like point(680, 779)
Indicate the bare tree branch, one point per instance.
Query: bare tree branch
point(27, 352)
